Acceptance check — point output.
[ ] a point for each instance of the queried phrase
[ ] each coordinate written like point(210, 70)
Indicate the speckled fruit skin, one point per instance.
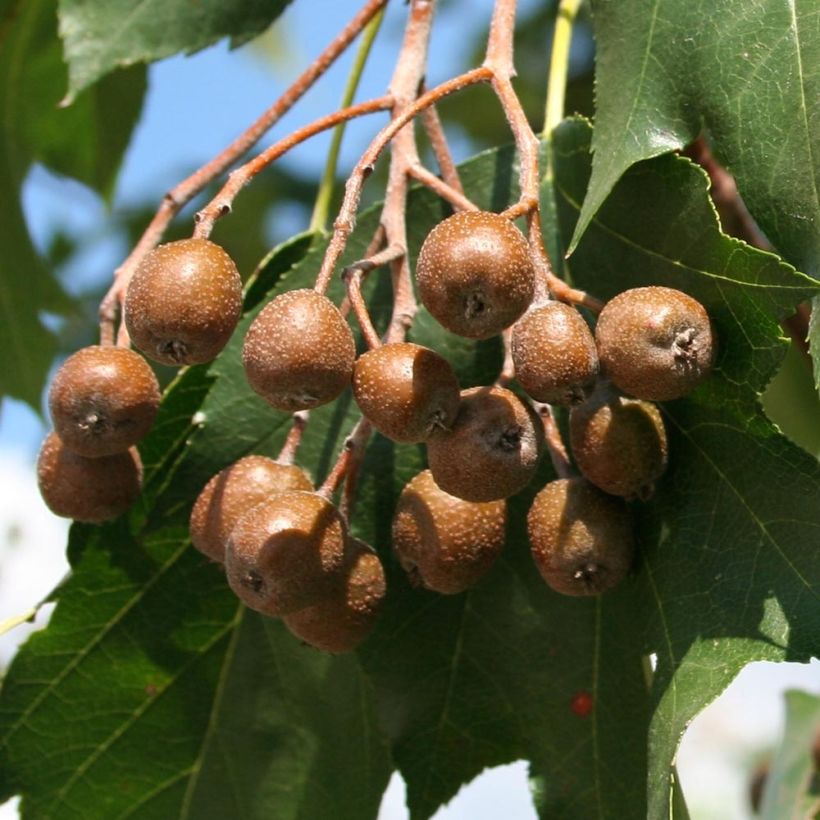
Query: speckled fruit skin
point(299, 351)
point(92, 490)
point(183, 302)
point(619, 444)
point(492, 449)
point(406, 391)
point(655, 343)
point(445, 543)
point(285, 553)
point(474, 273)
point(581, 538)
point(342, 620)
point(554, 354)
point(233, 492)
point(103, 400)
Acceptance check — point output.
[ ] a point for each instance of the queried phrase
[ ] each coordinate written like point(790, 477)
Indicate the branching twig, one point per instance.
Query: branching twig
point(175, 199)
point(555, 444)
point(441, 150)
point(294, 438)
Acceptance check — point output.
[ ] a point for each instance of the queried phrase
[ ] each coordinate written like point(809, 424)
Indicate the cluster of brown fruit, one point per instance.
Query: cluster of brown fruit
point(286, 549)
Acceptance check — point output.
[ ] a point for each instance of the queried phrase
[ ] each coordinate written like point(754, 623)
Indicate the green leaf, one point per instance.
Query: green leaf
point(151, 695)
point(102, 35)
point(85, 141)
point(791, 789)
point(814, 339)
point(729, 570)
point(747, 72)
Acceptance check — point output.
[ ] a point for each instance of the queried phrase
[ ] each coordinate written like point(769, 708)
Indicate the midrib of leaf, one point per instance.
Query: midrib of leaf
point(754, 518)
point(146, 706)
point(804, 108)
point(216, 706)
point(456, 658)
point(83, 653)
point(689, 268)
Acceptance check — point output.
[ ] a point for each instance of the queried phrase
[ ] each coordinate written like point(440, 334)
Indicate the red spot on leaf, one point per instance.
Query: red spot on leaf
point(582, 703)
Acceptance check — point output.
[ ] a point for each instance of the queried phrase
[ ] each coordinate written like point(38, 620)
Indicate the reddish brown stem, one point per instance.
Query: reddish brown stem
point(294, 438)
point(555, 444)
point(175, 199)
point(352, 452)
point(346, 219)
point(221, 204)
point(441, 149)
point(353, 275)
point(455, 197)
point(507, 373)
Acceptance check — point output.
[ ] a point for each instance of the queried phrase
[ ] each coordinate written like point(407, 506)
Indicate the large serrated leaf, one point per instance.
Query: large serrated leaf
point(102, 35)
point(747, 71)
point(446, 685)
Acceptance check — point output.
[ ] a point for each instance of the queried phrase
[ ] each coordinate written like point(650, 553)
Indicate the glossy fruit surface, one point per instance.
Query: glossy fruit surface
point(554, 354)
point(103, 400)
point(347, 615)
point(283, 554)
point(581, 538)
point(299, 351)
point(655, 343)
point(443, 542)
point(492, 449)
point(233, 492)
point(619, 444)
point(474, 273)
point(183, 302)
point(407, 391)
point(92, 490)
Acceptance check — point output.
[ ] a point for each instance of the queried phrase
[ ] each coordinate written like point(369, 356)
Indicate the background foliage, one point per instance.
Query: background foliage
point(218, 712)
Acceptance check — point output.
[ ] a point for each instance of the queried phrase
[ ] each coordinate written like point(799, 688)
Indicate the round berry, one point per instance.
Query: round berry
point(475, 274)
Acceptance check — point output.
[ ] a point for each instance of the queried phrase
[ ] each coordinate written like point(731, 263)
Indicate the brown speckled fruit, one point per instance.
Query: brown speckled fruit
point(619, 444)
point(554, 354)
point(87, 489)
point(233, 492)
point(492, 450)
point(474, 273)
point(342, 620)
point(443, 542)
point(406, 391)
point(655, 343)
point(285, 553)
point(103, 400)
point(299, 351)
point(183, 302)
point(581, 538)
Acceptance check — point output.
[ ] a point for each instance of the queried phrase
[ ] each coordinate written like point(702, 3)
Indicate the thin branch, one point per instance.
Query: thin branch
point(441, 149)
point(352, 450)
point(179, 196)
point(507, 373)
point(555, 444)
point(221, 204)
point(346, 220)
point(452, 195)
point(294, 438)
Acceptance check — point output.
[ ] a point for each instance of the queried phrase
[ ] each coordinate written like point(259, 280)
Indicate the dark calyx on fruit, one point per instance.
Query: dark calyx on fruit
point(406, 391)
point(445, 543)
point(92, 490)
point(103, 400)
point(233, 492)
point(183, 302)
point(493, 448)
point(299, 351)
point(554, 354)
point(346, 616)
point(581, 538)
point(619, 444)
point(284, 554)
point(655, 343)
point(474, 273)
